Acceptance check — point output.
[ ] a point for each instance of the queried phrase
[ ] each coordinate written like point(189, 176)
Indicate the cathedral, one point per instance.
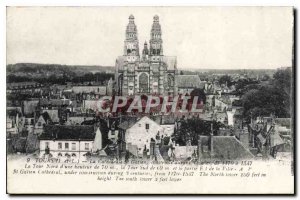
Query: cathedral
point(149, 72)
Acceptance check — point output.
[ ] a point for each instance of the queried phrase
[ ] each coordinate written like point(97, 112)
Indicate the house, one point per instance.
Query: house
point(13, 121)
point(53, 114)
point(90, 92)
point(54, 103)
point(30, 106)
point(221, 117)
point(167, 122)
point(235, 116)
point(28, 123)
point(77, 120)
point(43, 120)
point(97, 143)
point(267, 138)
point(283, 128)
point(113, 131)
point(222, 148)
point(113, 135)
point(135, 136)
point(23, 87)
point(187, 83)
point(222, 103)
point(67, 141)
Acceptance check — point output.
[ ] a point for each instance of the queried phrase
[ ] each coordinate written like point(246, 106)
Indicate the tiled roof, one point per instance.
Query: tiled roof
point(127, 124)
point(227, 147)
point(76, 120)
point(21, 84)
point(231, 148)
point(58, 132)
point(90, 89)
point(54, 102)
point(46, 117)
point(12, 112)
point(276, 140)
point(189, 81)
point(164, 119)
point(53, 114)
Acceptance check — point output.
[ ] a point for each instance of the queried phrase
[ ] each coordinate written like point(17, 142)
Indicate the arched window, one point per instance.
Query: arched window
point(170, 81)
point(143, 83)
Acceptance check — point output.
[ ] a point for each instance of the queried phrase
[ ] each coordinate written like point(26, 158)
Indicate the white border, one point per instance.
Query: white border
point(5, 3)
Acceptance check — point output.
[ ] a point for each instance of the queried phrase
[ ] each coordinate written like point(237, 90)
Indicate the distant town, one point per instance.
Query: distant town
point(53, 110)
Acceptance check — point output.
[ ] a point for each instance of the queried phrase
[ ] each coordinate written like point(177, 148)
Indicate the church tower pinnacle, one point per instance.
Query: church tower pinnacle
point(131, 43)
point(156, 48)
point(145, 51)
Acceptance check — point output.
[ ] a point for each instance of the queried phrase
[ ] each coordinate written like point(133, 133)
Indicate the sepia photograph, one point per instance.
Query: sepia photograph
point(150, 100)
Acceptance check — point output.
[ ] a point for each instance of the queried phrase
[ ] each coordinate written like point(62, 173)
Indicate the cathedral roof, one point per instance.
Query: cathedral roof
point(189, 81)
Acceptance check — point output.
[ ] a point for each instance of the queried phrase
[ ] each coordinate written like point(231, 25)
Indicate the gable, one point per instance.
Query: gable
point(41, 119)
point(144, 121)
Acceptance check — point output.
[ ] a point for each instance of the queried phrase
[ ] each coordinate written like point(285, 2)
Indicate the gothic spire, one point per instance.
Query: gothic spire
point(155, 38)
point(131, 43)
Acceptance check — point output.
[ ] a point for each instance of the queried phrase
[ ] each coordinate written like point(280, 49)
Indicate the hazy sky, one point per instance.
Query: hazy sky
point(200, 37)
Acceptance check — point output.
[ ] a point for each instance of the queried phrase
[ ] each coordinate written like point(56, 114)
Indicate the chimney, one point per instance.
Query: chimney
point(152, 146)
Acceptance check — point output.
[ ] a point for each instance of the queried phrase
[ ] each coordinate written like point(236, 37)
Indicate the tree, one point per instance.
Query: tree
point(200, 94)
point(244, 85)
point(193, 127)
point(264, 101)
point(283, 79)
point(226, 80)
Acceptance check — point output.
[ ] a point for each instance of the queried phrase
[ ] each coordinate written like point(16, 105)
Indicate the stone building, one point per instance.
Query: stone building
point(148, 73)
point(136, 136)
point(67, 141)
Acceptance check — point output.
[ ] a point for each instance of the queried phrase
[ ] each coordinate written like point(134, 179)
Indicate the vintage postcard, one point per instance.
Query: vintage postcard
point(150, 100)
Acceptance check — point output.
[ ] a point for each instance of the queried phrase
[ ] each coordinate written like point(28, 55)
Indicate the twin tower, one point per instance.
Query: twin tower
point(131, 46)
point(150, 73)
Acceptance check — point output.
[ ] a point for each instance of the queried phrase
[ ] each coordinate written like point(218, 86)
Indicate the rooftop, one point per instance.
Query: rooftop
point(189, 81)
point(63, 132)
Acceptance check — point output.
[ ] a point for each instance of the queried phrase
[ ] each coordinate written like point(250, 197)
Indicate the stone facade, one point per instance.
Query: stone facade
point(140, 133)
point(149, 73)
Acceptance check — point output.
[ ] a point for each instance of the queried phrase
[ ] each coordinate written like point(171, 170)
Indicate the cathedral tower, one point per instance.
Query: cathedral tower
point(150, 73)
point(131, 43)
point(156, 48)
